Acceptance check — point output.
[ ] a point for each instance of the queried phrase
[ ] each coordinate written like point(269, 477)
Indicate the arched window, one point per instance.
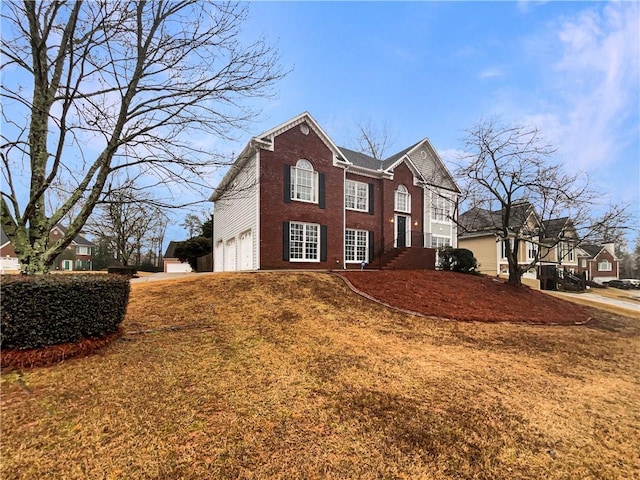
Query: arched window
point(403, 199)
point(304, 182)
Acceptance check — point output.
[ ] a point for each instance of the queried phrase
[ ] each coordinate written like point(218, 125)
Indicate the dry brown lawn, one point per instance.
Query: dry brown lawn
point(292, 376)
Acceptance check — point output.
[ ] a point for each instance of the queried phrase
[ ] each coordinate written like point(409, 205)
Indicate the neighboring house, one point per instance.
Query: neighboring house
point(478, 234)
point(171, 263)
point(77, 256)
point(294, 199)
point(598, 262)
point(8, 260)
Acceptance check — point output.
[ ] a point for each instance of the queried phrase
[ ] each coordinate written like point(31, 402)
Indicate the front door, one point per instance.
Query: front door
point(401, 232)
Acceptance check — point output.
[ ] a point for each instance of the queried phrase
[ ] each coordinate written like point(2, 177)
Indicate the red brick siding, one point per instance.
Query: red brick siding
point(289, 147)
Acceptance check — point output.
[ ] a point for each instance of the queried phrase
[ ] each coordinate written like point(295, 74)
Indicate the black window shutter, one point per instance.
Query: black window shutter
point(285, 241)
point(323, 243)
point(287, 183)
point(371, 199)
point(372, 250)
point(321, 191)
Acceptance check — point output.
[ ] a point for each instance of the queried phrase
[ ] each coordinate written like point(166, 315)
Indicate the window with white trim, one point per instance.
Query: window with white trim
point(356, 244)
point(304, 182)
point(503, 251)
point(83, 250)
point(440, 208)
point(440, 242)
point(565, 252)
point(605, 266)
point(356, 196)
point(532, 251)
point(403, 199)
point(583, 263)
point(304, 242)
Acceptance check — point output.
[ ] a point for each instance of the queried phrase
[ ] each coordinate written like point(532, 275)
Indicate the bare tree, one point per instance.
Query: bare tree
point(508, 175)
point(374, 140)
point(94, 89)
point(128, 221)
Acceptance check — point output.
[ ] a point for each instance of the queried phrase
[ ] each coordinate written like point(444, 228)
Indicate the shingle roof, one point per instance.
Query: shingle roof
point(79, 239)
point(479, 219)
point(170, 253)
point(3, 237)
point(554, 226)
point(361, 159)
point(591, 249)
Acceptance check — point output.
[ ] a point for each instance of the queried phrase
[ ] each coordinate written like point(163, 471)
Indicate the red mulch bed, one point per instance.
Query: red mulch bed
point(14, 359)
point(465, 297)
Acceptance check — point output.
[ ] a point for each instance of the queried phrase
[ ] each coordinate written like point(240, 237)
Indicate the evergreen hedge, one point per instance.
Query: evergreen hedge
point(45, 310)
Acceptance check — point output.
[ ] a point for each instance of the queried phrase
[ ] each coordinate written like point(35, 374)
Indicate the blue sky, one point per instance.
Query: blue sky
point(433, 69)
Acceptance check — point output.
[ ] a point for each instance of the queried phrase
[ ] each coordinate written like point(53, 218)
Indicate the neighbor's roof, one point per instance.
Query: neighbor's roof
point(554, 227)
point(479, 219)
point(3, 237)
point(170, 253)
point(591, 249)
point(79, 239)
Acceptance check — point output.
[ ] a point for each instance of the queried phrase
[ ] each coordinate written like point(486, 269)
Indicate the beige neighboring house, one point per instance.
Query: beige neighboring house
point(478, 233)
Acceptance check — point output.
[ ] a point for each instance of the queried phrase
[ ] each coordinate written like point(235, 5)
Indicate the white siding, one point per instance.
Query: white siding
point(236, 213)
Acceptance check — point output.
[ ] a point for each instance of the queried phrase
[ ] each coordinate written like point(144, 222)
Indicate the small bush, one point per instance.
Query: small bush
point(52, 309)
point(128, 270)
point(458, 260)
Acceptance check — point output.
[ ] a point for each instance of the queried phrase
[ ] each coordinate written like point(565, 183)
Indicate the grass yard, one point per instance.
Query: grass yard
point(292, 376)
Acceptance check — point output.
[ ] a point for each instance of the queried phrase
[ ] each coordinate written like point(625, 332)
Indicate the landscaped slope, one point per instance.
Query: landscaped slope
point(281, 376)
point(466, 297)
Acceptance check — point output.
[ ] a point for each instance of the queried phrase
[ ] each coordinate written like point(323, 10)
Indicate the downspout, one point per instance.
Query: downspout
point(382, 222)
point(344, 218)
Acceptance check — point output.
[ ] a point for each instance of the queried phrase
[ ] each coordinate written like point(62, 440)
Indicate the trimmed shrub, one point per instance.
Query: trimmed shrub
point(458, 260)
point(51, 309)
point(128, 270)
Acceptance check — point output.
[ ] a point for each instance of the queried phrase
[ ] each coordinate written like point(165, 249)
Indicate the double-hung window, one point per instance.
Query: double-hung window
point(604, 266)
point(566, 252)
point(356, 196)
point(440, 242)
point(356, 245)
point(532, 251)
point(403, 199)
point(304, 242)
point(304, 182)
point(440, 208)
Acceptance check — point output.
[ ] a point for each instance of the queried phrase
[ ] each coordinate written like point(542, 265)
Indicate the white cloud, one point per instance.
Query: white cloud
point(491, 72)
point(598, 79)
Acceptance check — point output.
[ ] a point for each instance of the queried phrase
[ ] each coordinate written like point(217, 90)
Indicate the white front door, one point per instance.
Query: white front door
point(246, 251)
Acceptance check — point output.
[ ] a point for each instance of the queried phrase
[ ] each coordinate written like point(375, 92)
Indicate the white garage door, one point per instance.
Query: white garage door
point(246, 251)
point(9, 264)
point(178, 268)
point(218, 258)
point(230, 256)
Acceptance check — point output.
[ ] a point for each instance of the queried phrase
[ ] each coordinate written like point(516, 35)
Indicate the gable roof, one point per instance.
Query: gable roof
point(78, 240)
point(482, 220)
point(554, 227)
point(170, 253)
point(591, 250)
point(431, 163)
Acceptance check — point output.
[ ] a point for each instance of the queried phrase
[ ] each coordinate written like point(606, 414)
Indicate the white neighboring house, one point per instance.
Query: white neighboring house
point(172, 264)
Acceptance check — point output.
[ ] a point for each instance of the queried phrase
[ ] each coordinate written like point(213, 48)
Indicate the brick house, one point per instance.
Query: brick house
point(77, 256)
point(293, 199)
point(599, 262)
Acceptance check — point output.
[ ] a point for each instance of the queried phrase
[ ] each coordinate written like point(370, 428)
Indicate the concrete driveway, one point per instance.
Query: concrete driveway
point(628, 307)
point(155, 277)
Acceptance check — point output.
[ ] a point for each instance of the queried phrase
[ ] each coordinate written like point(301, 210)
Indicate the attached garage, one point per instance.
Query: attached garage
point(230, 256)
point(246, 251)
point(218, 256)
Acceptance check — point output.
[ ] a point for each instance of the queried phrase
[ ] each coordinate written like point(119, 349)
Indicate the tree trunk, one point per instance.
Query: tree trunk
point(514, 274)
